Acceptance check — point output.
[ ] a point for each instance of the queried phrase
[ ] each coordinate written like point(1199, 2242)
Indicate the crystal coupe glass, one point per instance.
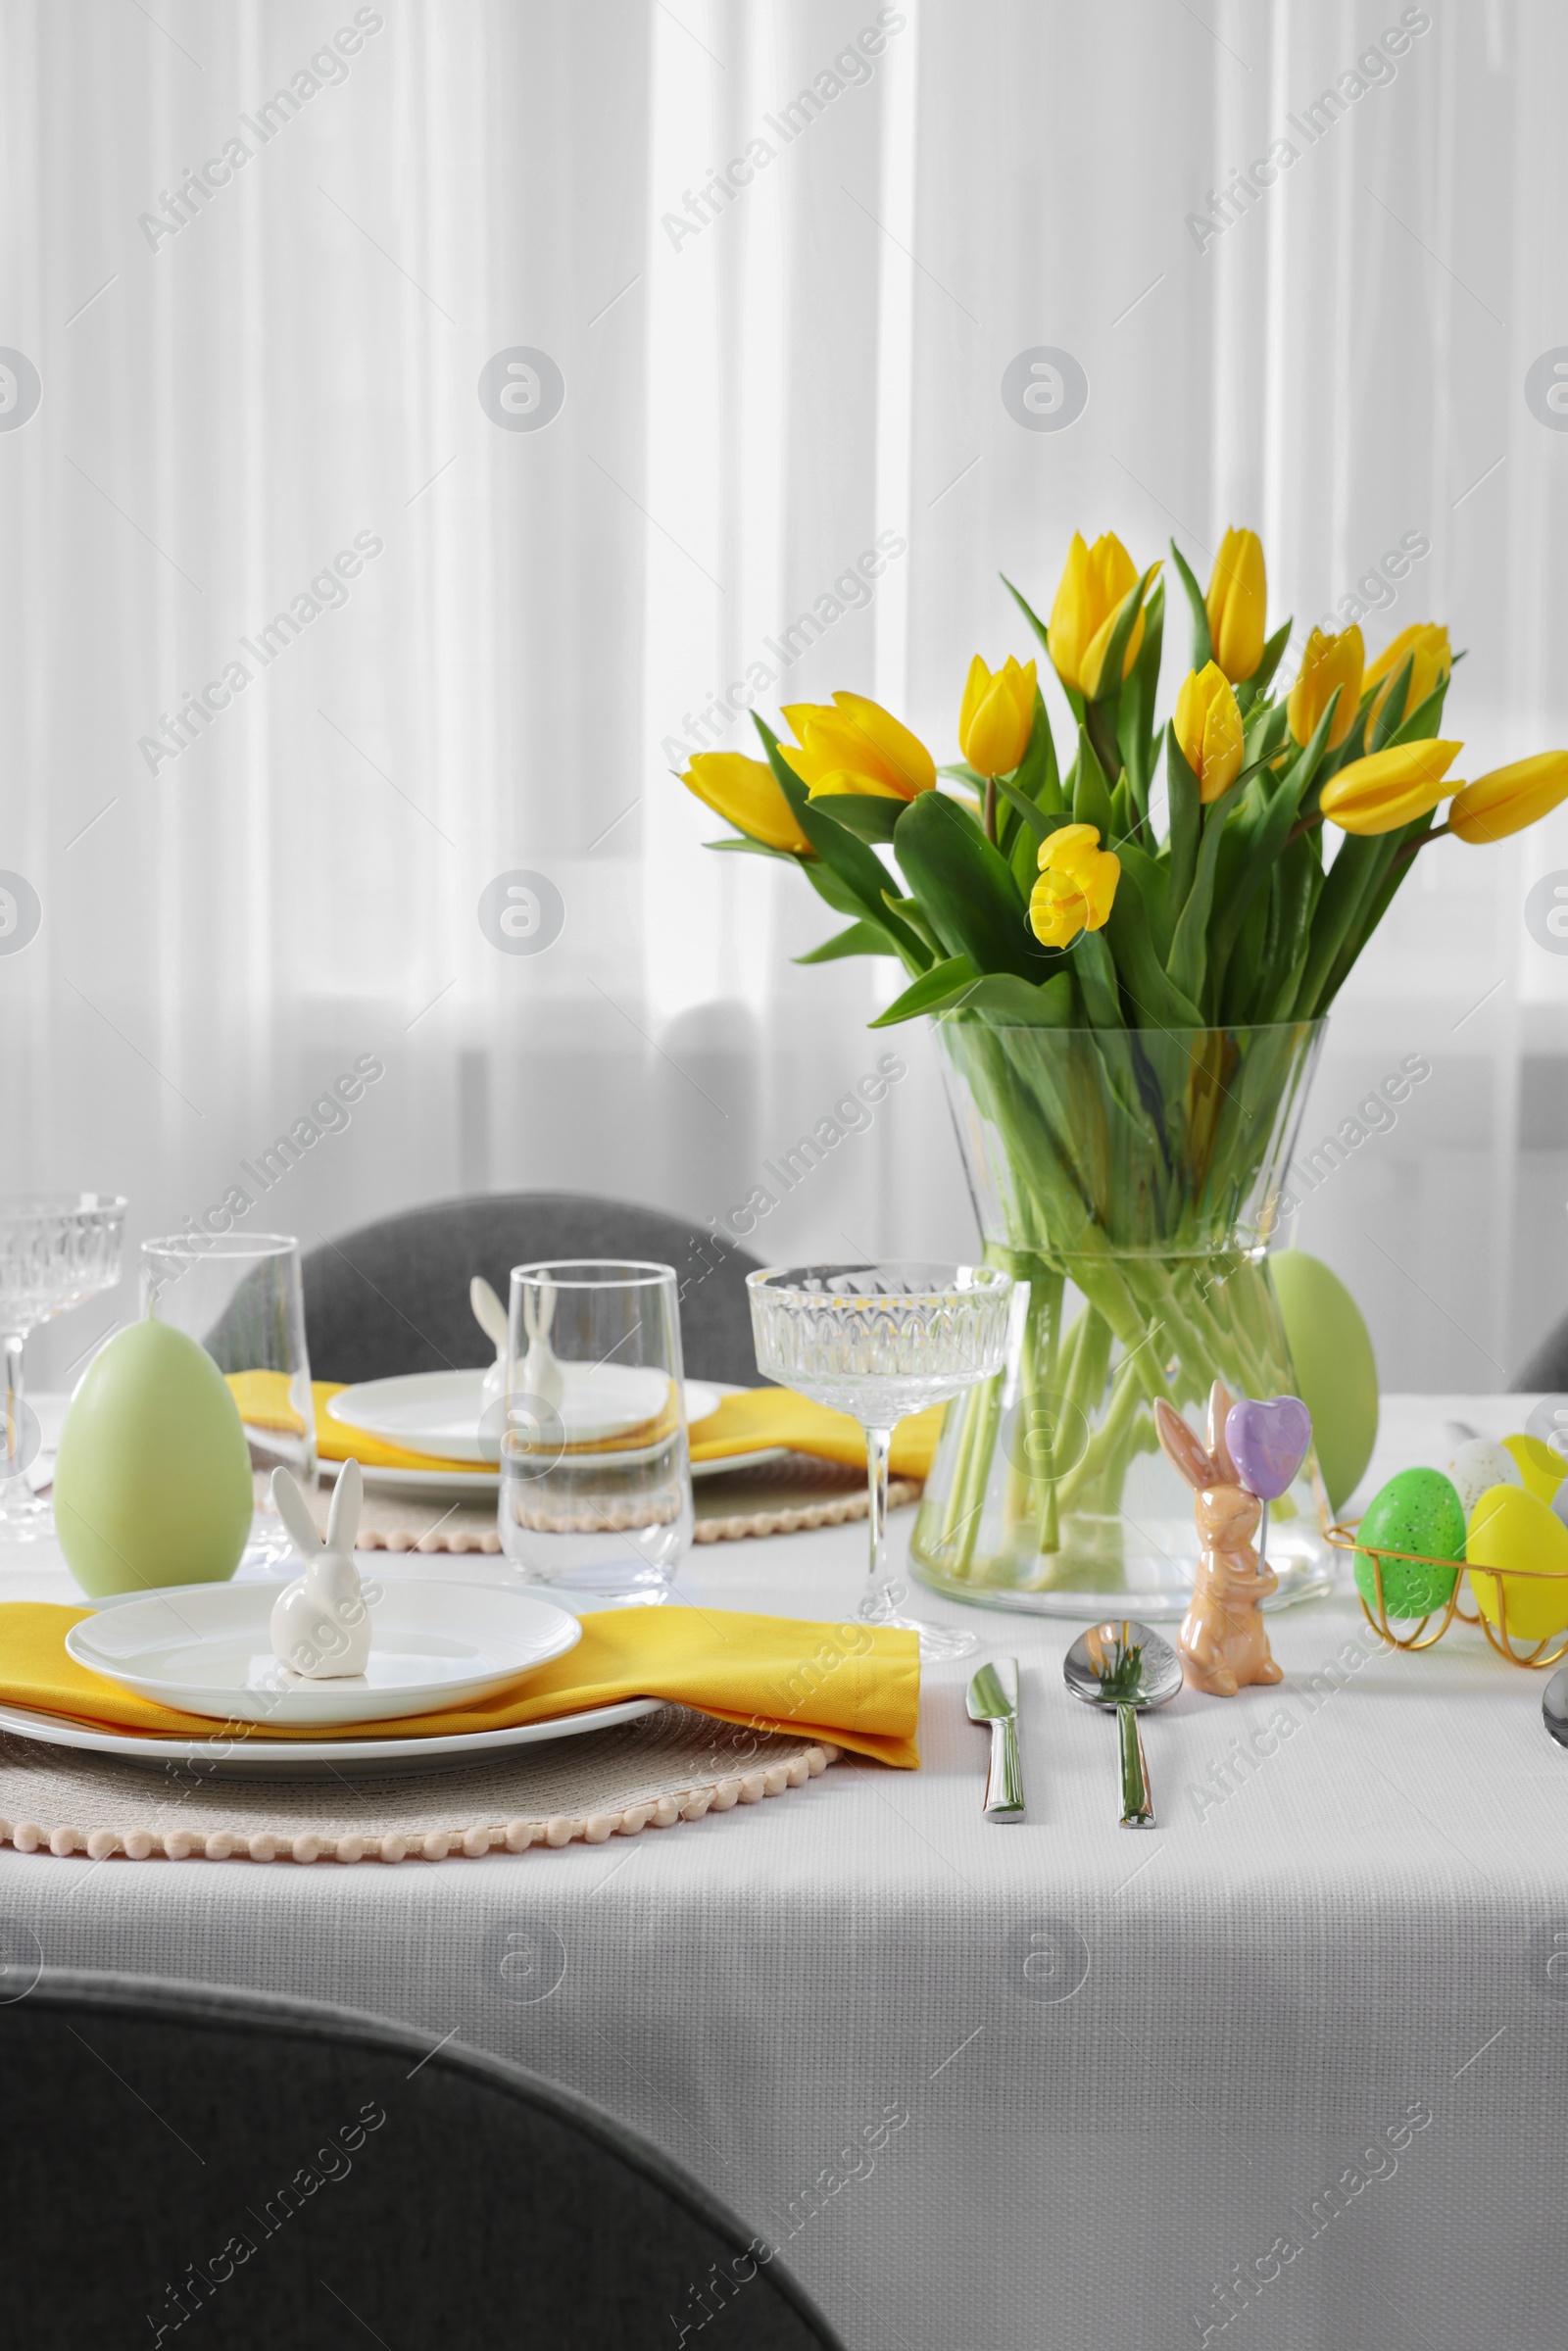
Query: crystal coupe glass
point(57, 1250)
point(880, 1342)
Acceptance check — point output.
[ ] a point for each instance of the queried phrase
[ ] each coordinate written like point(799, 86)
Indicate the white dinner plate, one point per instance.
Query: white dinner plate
point(235, 1756)
point(483, 1485)
point(208, 1650)
point(439, 1412)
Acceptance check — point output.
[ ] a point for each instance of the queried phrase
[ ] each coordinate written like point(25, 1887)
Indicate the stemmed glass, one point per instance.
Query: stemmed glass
point(57, 1250)
point(880, 1342)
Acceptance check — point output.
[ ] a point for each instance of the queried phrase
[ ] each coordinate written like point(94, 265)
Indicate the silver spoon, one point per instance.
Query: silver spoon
point(1554, 1707)
point(1123, 1664)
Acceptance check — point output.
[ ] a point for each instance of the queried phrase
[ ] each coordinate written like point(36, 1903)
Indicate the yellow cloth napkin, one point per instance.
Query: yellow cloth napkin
point(743, 1424)
point(762, 1416)
point(855, 1685)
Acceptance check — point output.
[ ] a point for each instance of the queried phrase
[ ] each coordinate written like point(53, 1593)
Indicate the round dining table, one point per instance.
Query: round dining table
point(1286, 2071)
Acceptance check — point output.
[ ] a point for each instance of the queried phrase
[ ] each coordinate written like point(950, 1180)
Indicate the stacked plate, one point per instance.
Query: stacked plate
point(206, 1648)
point(447, 1415)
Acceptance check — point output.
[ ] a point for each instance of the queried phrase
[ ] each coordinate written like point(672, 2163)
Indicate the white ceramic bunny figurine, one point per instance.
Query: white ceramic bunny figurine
point(491, 1317)
point(539, 1374)
point(321, 1624)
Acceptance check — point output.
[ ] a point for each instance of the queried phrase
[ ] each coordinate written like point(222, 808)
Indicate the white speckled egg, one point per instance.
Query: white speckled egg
point(1479, 1464)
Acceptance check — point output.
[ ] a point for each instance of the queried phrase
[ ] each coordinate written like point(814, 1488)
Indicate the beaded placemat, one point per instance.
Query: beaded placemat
point(675, 1765)
point(787, 1497)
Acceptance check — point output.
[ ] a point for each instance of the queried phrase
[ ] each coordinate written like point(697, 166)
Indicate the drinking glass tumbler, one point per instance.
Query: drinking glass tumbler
point(596, 1482)
point(240, 1296)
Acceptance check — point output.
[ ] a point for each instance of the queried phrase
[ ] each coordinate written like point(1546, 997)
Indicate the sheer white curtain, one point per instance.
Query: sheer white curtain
point(778, 326)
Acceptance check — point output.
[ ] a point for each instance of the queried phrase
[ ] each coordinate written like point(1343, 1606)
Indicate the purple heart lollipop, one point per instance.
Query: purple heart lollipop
point(1268, 1442)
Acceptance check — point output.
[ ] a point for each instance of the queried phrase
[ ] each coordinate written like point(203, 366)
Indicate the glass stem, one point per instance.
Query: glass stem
point(13, 1487)
point(880, 1601)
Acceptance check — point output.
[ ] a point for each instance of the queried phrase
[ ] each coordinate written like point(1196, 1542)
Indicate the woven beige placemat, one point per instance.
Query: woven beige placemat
point(787, 1497)
point(675, 1765)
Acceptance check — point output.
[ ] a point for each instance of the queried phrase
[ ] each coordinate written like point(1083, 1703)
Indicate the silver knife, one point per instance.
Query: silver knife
point(994, 1700)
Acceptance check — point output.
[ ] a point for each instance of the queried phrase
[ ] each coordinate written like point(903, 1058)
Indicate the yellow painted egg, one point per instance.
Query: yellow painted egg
point(153, 1477)
point(1539, 1466)
point(1513, 1527)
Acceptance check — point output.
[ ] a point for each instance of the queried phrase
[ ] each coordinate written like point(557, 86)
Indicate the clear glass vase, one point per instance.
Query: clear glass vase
point(1131, 1179)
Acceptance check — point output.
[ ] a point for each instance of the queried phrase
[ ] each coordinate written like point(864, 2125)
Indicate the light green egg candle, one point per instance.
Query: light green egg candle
point(153, 1477)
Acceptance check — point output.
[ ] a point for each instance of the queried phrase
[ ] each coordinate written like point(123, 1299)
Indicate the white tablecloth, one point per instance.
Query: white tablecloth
point(1316, 2025)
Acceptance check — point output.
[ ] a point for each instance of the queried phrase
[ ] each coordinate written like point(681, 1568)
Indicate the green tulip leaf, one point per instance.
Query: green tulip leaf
point(945, 985)
point(1037, 775)
point(1264, 734)
point(1188, 966)
point(1382, 731)
point(861, 939)
point(1261, 846)
point(1011, 1002)
point(1202, 643)
point(1424, 720)
point(854, 863)
point(869, 815)
point(1257, 685)
point(964, 885)
point(1035, 820)
point(1114, 658)
point(914, 915)
point(837, 893)
point(746, 847)
point(1029, 613)
point(1091, 790)
point(1376, 904)
point(1157, 1002)
point(1136, 733)
point(1097, 977)
point(1350, 885)
point(1153, 877)
point(1186, 820)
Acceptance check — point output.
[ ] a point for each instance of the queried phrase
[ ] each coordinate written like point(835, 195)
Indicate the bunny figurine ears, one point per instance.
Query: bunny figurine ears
point(1257, 1446)
point(539, 1375)
point(320, 1626)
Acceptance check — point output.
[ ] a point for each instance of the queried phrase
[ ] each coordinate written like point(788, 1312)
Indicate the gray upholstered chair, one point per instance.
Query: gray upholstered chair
point(394, 1297)
point(286, 2175)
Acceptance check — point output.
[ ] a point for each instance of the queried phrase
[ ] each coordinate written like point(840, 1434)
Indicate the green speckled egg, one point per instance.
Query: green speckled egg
point(153, 1477)
point(1416, 1511)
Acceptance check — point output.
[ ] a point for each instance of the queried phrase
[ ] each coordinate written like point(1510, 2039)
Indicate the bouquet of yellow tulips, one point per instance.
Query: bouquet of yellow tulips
point(1034, 896)
point(1129, 970)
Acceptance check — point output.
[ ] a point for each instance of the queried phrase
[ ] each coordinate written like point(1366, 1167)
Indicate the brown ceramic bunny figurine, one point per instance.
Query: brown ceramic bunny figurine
point(1223, 1642)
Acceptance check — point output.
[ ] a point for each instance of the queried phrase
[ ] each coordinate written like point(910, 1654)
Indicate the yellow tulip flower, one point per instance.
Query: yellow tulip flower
point(1237, 603)
point(1077, 885)
point(998, 715)
point(1426, 642)
point(1510, 798)
point(1327, 662)
point(1209, 728)
point(1094, 580)
point(1390, 788)
point(748, 794)
point(852, 737)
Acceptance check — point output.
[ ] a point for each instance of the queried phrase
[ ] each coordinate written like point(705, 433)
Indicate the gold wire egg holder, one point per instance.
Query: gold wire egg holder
point(1542, 1655)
